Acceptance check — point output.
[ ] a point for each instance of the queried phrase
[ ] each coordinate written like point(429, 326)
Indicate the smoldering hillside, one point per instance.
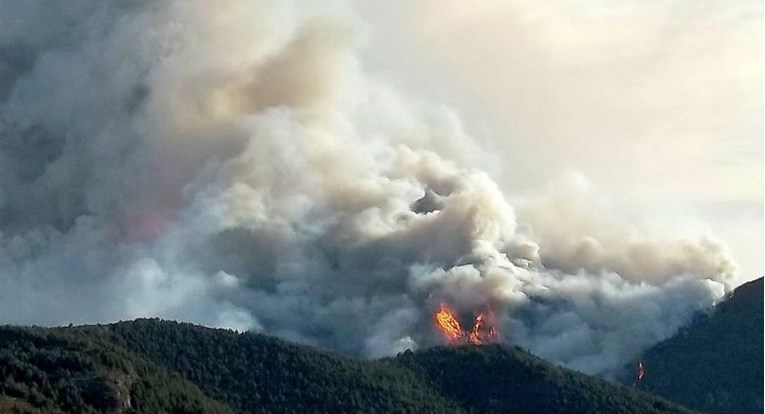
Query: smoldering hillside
point(238, 166)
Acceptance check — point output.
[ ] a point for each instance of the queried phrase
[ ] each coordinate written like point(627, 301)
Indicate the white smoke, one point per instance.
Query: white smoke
point(236, 166)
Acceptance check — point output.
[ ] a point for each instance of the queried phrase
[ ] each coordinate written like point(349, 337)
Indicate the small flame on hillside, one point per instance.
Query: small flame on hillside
point(483, 331)
point(639, 374)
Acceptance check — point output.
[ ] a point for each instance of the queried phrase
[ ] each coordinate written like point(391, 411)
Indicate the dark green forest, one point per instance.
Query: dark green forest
point(712, 365)
point(155, 366)
point(71, 371)
point(501, 379)
point(715, 364)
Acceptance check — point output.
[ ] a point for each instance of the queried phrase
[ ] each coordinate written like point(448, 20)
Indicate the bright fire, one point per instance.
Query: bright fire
point(448, 324)
point(482, 332)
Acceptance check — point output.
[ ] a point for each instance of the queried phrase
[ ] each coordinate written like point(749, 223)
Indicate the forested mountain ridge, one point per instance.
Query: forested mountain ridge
point(715, 364)
point(501, 379)
point(62, 370)
point(258, 373)
point(154, 366)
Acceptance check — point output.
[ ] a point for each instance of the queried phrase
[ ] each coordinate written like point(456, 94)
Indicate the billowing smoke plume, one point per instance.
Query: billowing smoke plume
point(234, 165)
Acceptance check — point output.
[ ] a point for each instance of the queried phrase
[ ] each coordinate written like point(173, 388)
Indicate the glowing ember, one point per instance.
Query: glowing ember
point(482, 332)
point(639, 373)
point(448, 324)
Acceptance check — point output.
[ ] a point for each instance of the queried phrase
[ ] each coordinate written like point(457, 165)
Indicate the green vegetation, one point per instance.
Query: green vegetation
point(153, 366)
point(715, 364)
point(61, 370)
point(500, 379)
point(257, 373)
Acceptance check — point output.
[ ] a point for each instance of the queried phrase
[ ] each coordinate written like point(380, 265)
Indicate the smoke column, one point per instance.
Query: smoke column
point(237, 166)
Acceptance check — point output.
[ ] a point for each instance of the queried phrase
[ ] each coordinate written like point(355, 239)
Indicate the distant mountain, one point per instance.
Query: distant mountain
point(153, 366)
point(715, 364)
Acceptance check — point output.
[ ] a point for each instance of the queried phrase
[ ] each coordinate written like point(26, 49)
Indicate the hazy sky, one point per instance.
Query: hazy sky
point(658, 104)
point(330, 172)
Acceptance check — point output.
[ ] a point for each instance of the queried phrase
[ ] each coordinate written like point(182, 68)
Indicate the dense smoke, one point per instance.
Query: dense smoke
point(234, 165)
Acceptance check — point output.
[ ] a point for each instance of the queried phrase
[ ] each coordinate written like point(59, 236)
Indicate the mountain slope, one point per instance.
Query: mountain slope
point(61, 370)
point(257, 373)
point(500, 379)
point(716, 363)
point(158, 366)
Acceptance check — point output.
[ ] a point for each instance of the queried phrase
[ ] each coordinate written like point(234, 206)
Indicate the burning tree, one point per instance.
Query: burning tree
point(483, 330)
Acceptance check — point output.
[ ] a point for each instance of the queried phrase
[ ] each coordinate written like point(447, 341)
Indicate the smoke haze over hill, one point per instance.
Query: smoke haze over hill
point(238, 166)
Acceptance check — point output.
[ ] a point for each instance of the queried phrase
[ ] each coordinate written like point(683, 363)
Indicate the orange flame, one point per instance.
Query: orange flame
point(482, 332)
point(448, 324)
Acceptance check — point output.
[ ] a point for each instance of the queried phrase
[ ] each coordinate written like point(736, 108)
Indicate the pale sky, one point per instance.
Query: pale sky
point(659, 104)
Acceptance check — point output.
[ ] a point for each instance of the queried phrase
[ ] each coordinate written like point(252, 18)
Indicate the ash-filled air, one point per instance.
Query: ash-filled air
point(236, 165)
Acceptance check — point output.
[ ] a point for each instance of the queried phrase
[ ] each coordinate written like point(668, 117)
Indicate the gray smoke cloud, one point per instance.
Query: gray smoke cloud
point(236, 166)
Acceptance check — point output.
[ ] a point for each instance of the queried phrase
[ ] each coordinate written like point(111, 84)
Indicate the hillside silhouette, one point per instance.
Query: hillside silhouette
point(715, 364)
point(155, 366)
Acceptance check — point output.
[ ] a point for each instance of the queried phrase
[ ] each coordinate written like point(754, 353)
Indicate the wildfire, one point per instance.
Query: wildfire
point(482, 332)
point(448, 324)
point(639, 373)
